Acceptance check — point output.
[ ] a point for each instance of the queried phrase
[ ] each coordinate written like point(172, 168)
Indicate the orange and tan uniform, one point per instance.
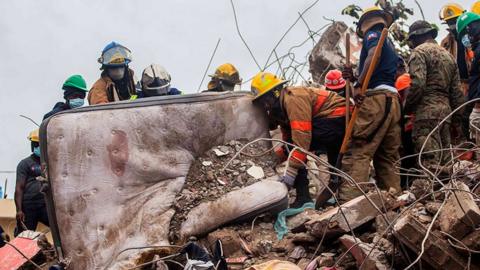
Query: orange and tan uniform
point(302, 105)
point(450, 44)
point(104, 91)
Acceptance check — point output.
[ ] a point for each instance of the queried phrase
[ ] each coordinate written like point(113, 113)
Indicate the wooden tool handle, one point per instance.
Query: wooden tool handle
point(363, 90)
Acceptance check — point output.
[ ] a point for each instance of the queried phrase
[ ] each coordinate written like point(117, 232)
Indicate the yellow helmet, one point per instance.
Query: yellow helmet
point(476, 7)
point(33, 136)
point(371, 17)
point(227, 72)
point(450, 11)
point(265, 82)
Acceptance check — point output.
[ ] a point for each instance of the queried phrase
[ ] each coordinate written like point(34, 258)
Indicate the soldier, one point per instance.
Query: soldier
point(376, 132)
point(435, 91)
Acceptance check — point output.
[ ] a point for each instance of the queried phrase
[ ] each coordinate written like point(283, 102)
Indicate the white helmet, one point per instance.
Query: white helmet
point(155, 80)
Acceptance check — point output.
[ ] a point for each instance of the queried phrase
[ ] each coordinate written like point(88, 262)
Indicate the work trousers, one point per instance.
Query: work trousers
point(440, 139)
point(376, 136)
point(33, 214)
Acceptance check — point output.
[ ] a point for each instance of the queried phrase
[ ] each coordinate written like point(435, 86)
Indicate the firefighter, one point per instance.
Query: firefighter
point(74, 92)
point(117, 81)
point(226, 77)
point(156, 82)
point(310, 118)
point(335, 82)
point(29, 201)
point(376, 132)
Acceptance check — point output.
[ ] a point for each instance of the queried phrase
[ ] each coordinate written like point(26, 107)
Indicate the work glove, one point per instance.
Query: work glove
point(474, 121)
point(289, 178)
point(347, 74)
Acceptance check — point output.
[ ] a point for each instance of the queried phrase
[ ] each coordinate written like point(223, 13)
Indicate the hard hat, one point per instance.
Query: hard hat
point(115, 54)
point(464, 20)
point(420, 28)
point(155, 80)
point(403, 82)
point(264, 82)
point(334, 80)
point(371, 17)
point(76, 81)
point(33, 136)
point(450, 11)
point(227, 72)
point(476, 7)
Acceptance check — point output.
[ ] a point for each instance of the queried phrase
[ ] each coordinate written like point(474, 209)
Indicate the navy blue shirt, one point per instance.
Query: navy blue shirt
point(387, 66)
point(59, 107)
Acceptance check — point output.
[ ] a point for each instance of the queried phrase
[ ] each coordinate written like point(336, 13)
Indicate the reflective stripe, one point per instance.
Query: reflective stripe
point(340, 111)
point(301, 125)
point(321, 98)
point(299, 155)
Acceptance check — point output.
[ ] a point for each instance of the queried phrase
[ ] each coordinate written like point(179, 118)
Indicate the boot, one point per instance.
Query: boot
point(301, 188)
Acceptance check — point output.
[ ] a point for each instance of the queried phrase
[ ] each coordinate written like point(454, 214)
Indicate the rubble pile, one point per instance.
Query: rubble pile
point(207, 181)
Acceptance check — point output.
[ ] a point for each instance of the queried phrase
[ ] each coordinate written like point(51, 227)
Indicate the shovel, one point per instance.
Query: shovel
point(335, 181)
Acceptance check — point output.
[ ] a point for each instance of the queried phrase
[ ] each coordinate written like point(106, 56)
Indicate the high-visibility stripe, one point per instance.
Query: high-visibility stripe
point(301, 125)
point(340, 111)
point(321, 98)
point(299, 155)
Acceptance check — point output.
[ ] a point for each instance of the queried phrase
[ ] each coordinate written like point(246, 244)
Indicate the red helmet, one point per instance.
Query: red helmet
point(334, 80)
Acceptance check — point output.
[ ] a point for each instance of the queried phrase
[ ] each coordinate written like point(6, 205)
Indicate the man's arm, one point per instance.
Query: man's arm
point(368, 62)
point(456, 96)
point(19, 189)
point(418, 73)
point(299, 111)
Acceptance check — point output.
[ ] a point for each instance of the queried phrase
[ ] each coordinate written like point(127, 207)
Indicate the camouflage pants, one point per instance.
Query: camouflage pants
point(439, 139)
point(373, 140)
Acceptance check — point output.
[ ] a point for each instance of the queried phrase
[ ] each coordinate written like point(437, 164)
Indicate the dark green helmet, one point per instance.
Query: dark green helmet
point(420, 27)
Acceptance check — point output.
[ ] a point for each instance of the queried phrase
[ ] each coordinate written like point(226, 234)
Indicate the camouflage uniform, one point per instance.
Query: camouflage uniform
point(434, 93)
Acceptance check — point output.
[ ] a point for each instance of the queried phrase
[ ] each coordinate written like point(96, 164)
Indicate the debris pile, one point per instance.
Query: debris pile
point(207, 179)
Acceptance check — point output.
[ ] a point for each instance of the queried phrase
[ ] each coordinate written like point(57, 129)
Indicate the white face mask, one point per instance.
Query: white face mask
point(466, 41)
point(116, 73)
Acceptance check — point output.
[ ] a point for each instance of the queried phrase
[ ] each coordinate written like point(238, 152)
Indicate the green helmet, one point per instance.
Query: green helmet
point(464, 20)
point(76, 81)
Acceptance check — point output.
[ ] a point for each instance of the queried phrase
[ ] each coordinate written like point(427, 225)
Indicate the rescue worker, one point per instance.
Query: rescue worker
point(435, 91)
point(376, 132)
point(74, 92)
point(226, 77)
point(468, 25)
point(452, 42)
point(403, 84)
point(311, 118)
point(156, 82)
point(29, 201)
point(117, 80)
point(335, 82)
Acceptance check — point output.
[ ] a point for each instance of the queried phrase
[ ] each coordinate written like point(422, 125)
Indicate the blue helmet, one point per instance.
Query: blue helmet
point(115, 54)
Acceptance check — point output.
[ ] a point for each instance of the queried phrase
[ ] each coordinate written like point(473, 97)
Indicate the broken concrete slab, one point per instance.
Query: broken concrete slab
point(256, 172)
point(357, 212)
point(472, 240)
point(360, 250)
point(461, 214)
point(297, 223)
point(438, 253)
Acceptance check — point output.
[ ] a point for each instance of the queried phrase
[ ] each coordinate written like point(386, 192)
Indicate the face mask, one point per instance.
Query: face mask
point(76, 102)
point(116, 74)
point(466, 41)
point(36, 151)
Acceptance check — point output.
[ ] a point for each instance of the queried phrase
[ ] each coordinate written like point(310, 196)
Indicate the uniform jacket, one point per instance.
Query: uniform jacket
point(301, 105)
point(104, 90)
point(435, 89)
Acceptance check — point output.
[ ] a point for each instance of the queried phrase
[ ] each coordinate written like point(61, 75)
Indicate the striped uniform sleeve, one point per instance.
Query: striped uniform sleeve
point(299, 111)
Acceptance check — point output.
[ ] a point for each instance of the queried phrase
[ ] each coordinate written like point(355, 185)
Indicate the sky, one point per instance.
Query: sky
point(44, 42)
